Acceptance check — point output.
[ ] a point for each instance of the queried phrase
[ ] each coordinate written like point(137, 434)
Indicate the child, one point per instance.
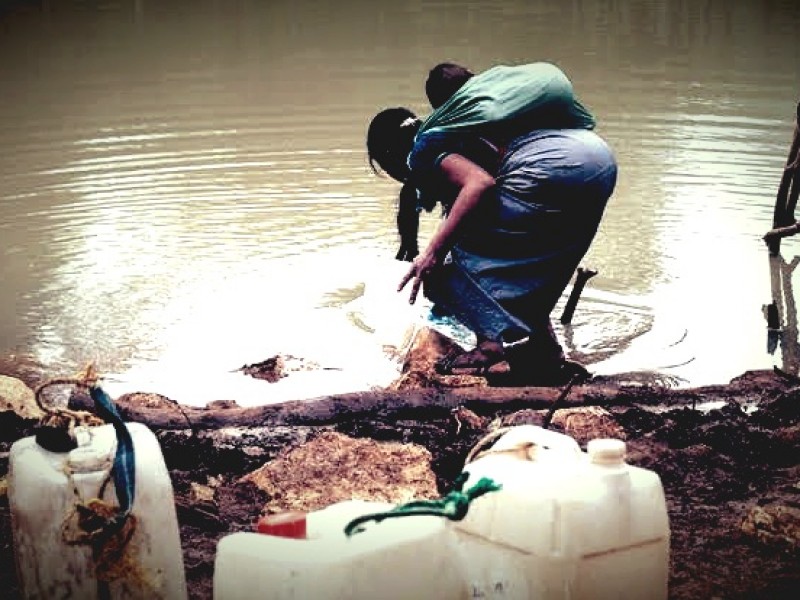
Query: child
point(444, 80)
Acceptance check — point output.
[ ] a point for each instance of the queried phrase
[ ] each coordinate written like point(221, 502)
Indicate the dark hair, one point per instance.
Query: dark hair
point(390, 138)
point(444, 80)
point(407, 223)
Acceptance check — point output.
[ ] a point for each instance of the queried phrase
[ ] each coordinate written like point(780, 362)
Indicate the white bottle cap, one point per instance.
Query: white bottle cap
point(83, 436)
point(606, 451)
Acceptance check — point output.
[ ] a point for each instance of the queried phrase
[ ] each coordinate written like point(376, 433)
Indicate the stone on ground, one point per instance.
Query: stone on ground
point(587, 423)
point(774, 524)
point(17, 397)
point(333, 468)
point(419, 370)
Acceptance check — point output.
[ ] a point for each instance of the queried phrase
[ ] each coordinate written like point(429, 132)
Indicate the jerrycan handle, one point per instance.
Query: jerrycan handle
point(522, 443)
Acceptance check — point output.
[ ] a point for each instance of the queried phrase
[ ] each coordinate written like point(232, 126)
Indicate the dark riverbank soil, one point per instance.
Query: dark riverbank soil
point(731, 474)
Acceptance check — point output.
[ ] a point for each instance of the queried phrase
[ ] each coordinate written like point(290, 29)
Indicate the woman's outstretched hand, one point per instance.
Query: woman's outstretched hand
point(421, 268)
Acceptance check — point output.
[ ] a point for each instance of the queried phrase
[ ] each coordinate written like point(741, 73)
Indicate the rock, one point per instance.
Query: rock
point(222, 404)
point(279, 366)
point(587, 423)
point(148, 400)
point(419, 369)
point(19, 398)
point(199, 493)
point(774, 524)
point(271, 369)
point(526, 416)
point(468, 419)
point(789, 435)
point(197, 505)
point(334, 467)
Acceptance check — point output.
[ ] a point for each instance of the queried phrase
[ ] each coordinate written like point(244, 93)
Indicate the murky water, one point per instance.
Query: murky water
point(184, 190)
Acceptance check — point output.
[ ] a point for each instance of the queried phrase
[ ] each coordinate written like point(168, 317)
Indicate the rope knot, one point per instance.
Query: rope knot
point(454, 505)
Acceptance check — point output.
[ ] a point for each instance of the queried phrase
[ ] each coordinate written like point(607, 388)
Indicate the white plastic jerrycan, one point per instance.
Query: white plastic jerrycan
point(44, 488)
point(566, 524)
point(396, 559)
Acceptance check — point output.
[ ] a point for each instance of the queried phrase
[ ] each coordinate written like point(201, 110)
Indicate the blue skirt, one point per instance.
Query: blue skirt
point(506, 274)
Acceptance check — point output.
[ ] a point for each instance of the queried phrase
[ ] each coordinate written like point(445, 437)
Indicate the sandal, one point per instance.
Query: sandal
point(476, 362)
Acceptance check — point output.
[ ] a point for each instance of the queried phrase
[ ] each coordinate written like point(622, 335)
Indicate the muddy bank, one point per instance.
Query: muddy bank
point(728, 455)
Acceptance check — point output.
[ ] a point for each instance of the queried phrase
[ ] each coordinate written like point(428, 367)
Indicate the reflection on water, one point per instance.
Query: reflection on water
point(186, 188)
point(781, 314)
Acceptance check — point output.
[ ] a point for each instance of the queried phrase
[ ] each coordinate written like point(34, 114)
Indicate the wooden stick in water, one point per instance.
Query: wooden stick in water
point(582, 276)
point(783, 221)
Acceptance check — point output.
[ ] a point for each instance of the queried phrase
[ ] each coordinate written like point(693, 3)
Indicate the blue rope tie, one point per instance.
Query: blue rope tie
point(123, 470)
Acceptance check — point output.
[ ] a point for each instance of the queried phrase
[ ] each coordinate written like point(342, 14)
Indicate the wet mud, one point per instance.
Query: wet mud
point(728, 456)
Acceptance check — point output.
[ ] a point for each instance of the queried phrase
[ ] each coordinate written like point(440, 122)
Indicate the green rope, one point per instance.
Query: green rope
point(454, 505)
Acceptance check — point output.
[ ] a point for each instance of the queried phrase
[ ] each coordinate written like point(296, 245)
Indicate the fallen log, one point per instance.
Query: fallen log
point(327, 410)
